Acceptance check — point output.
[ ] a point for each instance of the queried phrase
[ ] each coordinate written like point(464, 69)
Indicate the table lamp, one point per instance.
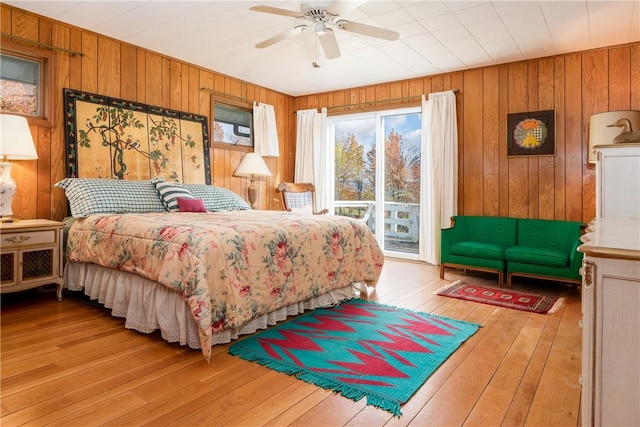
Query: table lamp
point(16, 143)
point(252, 165)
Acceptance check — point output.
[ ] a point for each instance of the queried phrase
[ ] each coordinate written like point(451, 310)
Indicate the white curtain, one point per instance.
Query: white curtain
point(312, 153)
point(265, 132)
point(439, 195)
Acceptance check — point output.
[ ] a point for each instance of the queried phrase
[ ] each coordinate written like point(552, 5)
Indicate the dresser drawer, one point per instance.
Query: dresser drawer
point(42, 237)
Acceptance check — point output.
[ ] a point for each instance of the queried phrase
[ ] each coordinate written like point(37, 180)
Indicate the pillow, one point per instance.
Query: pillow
point(191, 205)
point(217, 198)
point(306, 210)
point(88, 196)
point(169, 193)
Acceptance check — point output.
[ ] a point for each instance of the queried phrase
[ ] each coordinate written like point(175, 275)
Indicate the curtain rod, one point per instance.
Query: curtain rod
point(226, 95)
point(48, 46)
point(367, 104)
point(372, 104)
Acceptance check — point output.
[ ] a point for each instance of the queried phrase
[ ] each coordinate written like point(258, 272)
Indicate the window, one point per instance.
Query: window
point(232, 125)
point(20, 85)
point(25, 84)
point(376, 175)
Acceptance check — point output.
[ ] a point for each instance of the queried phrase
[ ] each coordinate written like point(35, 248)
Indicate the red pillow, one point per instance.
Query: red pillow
point(191, 205)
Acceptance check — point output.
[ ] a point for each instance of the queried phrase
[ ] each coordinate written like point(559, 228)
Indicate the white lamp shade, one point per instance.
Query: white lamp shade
point(16, 142)
point(252, 165)
point(601, 134)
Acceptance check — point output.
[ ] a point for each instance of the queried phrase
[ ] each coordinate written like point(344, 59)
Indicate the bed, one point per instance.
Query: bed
point(196, 263)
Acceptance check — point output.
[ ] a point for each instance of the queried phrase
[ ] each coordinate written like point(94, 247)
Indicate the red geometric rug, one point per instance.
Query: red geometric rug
point(502, 297)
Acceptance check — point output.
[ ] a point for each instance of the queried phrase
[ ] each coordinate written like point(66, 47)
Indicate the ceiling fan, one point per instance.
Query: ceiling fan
point(320, 21)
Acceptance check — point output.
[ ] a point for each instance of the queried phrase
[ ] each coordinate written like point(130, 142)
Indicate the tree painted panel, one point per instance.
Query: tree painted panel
point(112, 138)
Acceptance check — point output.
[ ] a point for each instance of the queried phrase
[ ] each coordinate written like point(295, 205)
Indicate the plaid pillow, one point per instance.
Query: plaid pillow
point(217, 198)
point(89, 196)
point(298, 200)
point(169, 193)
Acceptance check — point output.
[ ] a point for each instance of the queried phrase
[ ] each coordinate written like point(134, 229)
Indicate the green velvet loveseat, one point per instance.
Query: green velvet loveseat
point(513, 246)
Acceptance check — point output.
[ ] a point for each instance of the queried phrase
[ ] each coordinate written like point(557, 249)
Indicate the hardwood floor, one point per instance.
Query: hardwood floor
point(70, 363)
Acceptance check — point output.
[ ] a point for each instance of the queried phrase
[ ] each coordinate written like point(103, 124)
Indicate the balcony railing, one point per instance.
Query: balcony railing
point(401, 221)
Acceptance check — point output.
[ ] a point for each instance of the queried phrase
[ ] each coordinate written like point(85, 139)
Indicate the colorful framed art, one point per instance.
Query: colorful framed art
point(531, 133)
point(127, 140)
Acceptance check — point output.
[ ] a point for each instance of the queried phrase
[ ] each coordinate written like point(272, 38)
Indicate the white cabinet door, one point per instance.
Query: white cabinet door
point(618, 181)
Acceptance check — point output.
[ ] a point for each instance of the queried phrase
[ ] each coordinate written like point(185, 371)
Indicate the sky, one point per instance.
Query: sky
point(364, 128)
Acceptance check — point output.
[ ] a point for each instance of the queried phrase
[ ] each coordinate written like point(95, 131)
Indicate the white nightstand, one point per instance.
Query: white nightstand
point(31, 255)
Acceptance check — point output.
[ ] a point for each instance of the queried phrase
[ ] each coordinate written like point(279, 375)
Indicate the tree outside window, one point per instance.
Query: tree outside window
point(25, 83)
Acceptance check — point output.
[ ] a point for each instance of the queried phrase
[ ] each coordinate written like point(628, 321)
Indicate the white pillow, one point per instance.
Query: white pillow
point(305, 210)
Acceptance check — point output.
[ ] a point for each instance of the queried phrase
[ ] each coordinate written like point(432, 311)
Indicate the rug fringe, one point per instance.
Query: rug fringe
point(556, 306)
point(445, 287)
point(345, 390)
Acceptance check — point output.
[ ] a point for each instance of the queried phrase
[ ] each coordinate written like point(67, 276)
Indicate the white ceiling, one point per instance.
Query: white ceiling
point(436, 36)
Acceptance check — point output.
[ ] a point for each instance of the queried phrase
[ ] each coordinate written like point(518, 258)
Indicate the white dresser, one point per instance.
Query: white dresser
point(611, 322)
point(618, 181)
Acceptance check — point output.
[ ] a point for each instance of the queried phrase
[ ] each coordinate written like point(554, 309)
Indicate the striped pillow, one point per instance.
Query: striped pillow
point(169, 193)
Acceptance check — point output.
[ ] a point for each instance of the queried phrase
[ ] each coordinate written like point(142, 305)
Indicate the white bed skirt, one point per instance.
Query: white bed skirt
point(148, 306)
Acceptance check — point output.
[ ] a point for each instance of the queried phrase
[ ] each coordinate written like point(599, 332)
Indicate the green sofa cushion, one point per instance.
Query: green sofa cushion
point(537, 255)
point(551, 234)
point(478, 250)
point(487, 229)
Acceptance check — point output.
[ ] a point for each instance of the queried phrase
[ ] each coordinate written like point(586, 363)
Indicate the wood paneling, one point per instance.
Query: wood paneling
point(561, 186)
point(472, 145)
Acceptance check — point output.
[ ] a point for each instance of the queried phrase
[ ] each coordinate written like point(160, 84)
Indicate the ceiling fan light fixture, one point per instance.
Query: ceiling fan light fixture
point(320, 28)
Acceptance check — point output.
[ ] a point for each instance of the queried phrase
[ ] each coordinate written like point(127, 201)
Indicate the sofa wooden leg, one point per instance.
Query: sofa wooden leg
point(509, 281)
point(442, 271)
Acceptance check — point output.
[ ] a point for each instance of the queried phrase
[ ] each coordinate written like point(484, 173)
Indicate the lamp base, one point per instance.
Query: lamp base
point(252, 193)
point(7, 191)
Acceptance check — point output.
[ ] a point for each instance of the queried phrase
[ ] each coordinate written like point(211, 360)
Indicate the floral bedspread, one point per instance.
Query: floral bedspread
point(232, 266)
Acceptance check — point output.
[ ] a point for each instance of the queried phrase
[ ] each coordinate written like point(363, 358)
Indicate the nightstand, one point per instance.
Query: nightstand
point(31, 255)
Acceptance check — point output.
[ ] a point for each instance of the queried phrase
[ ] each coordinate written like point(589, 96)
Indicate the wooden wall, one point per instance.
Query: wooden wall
point(490, 183)
point(114, 68)
point(556, 187)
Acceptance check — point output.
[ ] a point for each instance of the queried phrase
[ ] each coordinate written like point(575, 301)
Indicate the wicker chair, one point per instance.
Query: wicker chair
point(296, 196)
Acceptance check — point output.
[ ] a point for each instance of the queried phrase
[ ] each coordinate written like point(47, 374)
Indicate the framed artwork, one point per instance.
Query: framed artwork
point(531, 133)
point(113, 138)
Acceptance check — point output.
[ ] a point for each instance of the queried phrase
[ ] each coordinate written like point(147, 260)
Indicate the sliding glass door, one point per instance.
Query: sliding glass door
point(377, 175)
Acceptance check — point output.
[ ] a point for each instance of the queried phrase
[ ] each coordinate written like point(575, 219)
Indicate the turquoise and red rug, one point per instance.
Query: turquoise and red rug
point(359, 349)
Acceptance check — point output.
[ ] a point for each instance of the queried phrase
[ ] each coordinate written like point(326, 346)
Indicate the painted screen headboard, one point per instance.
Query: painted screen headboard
point(112, 138)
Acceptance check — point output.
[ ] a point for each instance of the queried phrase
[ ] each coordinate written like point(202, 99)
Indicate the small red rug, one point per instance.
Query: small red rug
point(502, 297)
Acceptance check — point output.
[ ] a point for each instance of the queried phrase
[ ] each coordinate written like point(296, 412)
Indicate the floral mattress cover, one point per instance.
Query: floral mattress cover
point(235, 265)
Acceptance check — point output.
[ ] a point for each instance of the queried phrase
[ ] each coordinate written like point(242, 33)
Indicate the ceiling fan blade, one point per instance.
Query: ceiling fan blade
point(329, 44)
point(279, 37)
point(368, 30)
point(277, 11)
point(340, 7)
